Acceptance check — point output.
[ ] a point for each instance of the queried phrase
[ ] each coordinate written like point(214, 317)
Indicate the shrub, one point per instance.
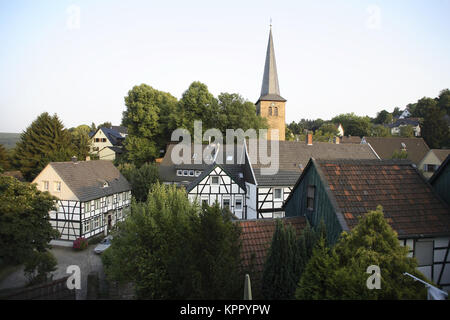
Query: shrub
point(38, 267)
point(80, 244)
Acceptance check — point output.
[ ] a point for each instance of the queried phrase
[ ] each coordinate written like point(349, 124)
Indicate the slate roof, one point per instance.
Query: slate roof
point(294, 156)
point(168, 169)
point(270, 89)
point(409, 203)
point(120, 129)
point(441, 154)
point(112, 134)
point(385, 147)
point(86, 178)
point(403, 122)
point(256, 238)
point(350, 139)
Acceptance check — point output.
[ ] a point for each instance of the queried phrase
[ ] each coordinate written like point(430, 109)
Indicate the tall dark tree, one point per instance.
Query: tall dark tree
point(81, 140)
point(282, 266)
point(383, 117)
point(4, 161)
point(141, 179)
point(45, 140)
point(435, 130)
point(444, 101)
point(423, 107)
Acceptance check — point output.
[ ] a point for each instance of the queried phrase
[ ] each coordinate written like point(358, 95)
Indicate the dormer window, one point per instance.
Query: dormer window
point(105, 184)
point(197, 173)
point(191, 173)
point(179, 173)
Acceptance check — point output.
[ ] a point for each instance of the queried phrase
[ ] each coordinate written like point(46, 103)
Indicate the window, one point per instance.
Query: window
point(87, 206)
point(430, 167)
point(97, 204)
point(423, 252)
point(185, 173)
point(119, 214)
point(87, 226)
point(191, 173)
point(57, 186)
point(197, 173)
point(124, 196)
point(179, 172)
point(238, 203)
point(96, 222)
point(103, 139)
point(226, 203)
point(215, 181)
point(97, 139)
point(276, 111)
point(247, 194)
point(310, 197)
point(205, 201)
point(118, 197)
point(45, 185)
point(270, 111)
point(277, 194)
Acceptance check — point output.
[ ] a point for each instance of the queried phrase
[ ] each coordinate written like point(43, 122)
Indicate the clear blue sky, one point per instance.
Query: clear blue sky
point(332, 56)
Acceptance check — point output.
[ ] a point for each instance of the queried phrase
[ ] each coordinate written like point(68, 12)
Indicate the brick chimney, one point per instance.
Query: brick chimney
point(309, 139)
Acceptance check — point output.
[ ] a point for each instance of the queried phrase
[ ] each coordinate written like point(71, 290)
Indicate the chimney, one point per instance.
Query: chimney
point(74, 159)
point(336, 140)
point(309, 139)
point(88, 158)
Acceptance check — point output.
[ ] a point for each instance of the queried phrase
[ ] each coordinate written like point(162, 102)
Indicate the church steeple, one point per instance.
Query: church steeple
point(270, 89)
point(270, 104)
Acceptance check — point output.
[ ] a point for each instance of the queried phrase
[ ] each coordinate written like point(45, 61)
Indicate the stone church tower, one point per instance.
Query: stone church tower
point(270, 104)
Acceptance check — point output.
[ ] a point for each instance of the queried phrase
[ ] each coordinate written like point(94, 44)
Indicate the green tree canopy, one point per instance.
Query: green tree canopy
point(383, 117)
point(444, 101)
point(407, 131)
point(141, 179)
point(354, 125)
point(4, 159)
point(24, 220)
point(81, 140)
point(340, 272)
point(45, 140)
point(435, 130)
point(171, 248)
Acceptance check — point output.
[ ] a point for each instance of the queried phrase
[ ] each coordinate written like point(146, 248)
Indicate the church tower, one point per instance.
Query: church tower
point(270, 104)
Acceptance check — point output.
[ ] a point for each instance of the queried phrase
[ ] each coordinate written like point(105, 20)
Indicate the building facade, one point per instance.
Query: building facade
point(92, 197)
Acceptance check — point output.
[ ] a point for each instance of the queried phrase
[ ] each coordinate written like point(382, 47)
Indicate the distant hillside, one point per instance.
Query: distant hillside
point(8, 139)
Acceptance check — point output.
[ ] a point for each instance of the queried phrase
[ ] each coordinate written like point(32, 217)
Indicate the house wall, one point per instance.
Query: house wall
point(49, 174)
point(323, 209)
point(267, 206)
point(437, 268)
point(100, 145)
point(429, 159)
point(106, 154)
point(251, 201)
point(70, 217)
point(442, 184)
point(227, 189)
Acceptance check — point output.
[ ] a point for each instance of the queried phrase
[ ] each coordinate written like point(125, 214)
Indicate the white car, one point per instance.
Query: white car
point(103, 245)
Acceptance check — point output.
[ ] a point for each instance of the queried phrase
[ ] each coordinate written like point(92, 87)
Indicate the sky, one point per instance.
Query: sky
point(79, 59)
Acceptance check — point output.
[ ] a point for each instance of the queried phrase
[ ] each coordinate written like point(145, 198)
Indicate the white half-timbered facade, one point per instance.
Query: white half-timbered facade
point(92, 197)
point(217, 185)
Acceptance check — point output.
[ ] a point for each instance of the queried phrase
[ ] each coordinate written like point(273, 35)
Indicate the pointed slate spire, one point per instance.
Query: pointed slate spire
point(270, 89)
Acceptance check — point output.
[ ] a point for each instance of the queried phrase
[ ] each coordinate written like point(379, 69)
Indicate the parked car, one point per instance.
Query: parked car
point(103, 245)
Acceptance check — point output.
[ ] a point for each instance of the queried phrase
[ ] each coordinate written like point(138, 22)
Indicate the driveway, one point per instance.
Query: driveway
point(87, 260)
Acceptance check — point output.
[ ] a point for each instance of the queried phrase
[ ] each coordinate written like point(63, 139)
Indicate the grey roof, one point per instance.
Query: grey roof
point(86, 178)
point(294, 156)
point(120, 129)
point(270, 89)
point(385, 147)
point(441, 154)
point(403, 122)
point(168, 169)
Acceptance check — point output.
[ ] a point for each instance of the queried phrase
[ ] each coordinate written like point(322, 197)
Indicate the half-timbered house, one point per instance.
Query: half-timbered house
point(92, 196)
point(340, 191)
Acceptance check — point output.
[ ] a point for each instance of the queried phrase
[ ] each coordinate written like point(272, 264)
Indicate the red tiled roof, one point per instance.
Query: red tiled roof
point(257, 236)
point(409, 203)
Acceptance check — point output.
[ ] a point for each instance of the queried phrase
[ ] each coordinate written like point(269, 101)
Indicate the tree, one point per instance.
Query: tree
point(396, 112)
point(444, 101)
point(423, 107)
point(281, 269)
point(4, 161)
point(147, 118)
point(380, 131)
point(45, 140)
point(353, 125)
point(81, 140)
point(39, 266)
point(24, 220)
point(171, 248)
point(105, 125)
point(407, 131)
point(340, 272)
point(400, 154)
point(383, 117)
point(435, 130)
point(141, 179)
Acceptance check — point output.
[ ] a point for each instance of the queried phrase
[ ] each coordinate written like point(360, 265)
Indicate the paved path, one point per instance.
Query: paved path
point(87, 260)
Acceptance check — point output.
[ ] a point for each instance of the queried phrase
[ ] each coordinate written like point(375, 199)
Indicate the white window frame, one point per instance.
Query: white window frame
point(223, 202)
point(236, 198)
point(87, 206)
point(57, 186)
point(46, 185)
point(180, 173)
point(281, 194)
point(191, 173)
